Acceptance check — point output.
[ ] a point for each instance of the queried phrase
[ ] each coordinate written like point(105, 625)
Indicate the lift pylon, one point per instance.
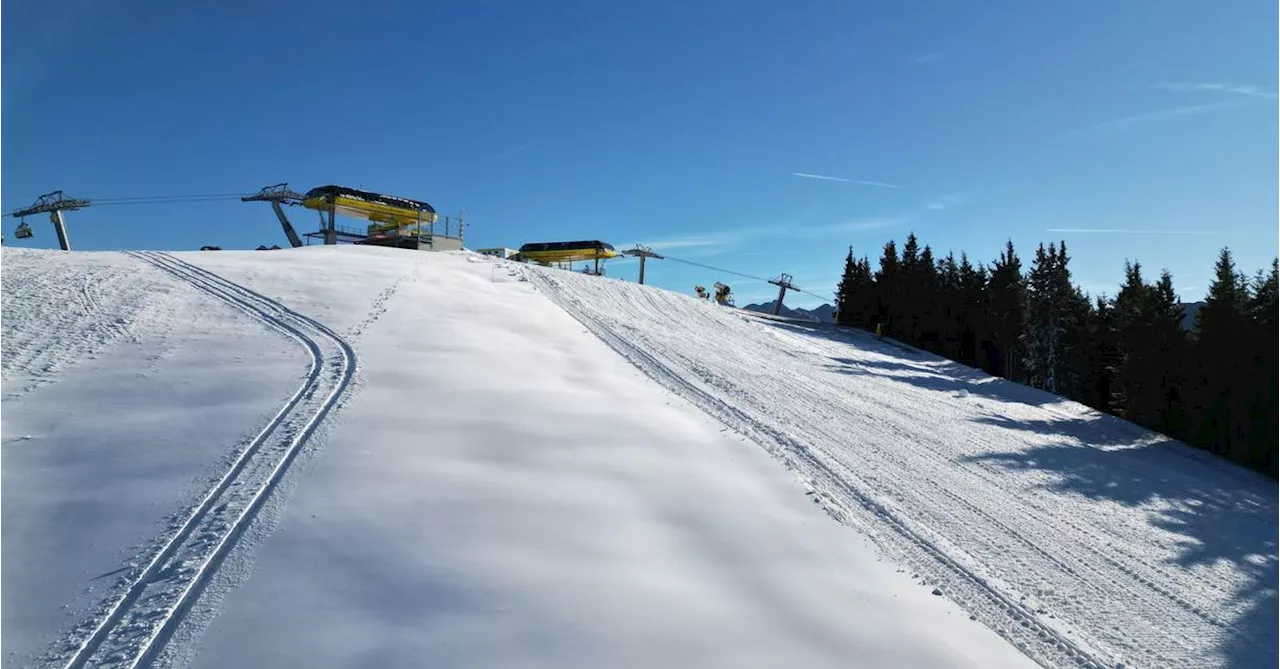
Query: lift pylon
point(278, 194)
point(783, 282)
point(54, 204)
point(644, 253)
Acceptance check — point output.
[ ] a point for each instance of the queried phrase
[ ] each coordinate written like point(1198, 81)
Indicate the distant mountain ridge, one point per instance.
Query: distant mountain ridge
point(825, 313)
point(1189, 311)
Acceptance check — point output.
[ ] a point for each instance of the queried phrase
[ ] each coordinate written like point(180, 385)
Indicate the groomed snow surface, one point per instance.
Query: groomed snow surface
point(368, 457)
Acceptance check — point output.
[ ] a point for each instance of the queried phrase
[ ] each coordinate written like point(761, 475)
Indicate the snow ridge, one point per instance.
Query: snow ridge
point(152, 600)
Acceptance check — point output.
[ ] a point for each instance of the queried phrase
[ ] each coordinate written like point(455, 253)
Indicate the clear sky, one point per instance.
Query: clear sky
point(758, 137)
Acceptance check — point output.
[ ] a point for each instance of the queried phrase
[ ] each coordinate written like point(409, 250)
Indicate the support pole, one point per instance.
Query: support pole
point(289, 232)
point(644, 253)
point(331, 230)
point(783, 282)
point(54, 204)
point(278, 194)
point(61, 228)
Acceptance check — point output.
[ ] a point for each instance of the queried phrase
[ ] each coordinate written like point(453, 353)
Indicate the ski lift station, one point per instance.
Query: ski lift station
point(563, 254)
point(389, 220)
point(392, 221)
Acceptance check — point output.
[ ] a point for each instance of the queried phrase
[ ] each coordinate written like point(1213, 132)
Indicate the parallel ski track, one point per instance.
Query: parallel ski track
point(1047, 645)
point(136, 626)
point(1071, 584)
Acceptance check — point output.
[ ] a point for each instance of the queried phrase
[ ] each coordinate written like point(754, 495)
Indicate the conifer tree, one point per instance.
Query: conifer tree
point(1215, 386)
point(905, 311)
point(844, 290)
point(950, 305)
point(1007, 309)
point(1104, 354)
point(1055, 337)
point(974, 329)
point(925, 287)
point(865, 305)
point(1134, 331)
point(1263, 425)
point(888, 289)
point(1218, 397)
point(1169, 341)
point(857, 294)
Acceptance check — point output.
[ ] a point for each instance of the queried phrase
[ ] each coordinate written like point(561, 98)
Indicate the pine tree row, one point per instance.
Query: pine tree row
point(1214, 386)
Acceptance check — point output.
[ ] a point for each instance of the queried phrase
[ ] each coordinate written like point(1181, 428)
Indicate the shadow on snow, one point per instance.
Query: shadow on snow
point(915, 366)
point(1219, 511)
point(946, 376)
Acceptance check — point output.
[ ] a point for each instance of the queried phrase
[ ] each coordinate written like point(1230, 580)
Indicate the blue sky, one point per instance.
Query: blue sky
point(685, 125)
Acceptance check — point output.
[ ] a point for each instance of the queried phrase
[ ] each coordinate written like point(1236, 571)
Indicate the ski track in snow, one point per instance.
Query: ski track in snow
point(148, 605)
point(1011, 501)
point(42, 340)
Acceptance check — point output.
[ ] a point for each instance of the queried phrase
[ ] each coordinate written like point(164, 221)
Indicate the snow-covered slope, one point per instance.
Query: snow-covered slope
point(189, 478)
point(126, 395)
point(1081, 538)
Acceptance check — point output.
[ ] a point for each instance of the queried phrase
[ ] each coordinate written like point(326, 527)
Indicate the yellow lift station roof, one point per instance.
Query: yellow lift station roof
point(372, 206)
point(551, 252)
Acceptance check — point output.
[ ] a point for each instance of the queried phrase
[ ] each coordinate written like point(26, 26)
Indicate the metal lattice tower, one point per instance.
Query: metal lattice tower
point(783, 282)
point(644, 253)
point(54, 204)
point(278, 194)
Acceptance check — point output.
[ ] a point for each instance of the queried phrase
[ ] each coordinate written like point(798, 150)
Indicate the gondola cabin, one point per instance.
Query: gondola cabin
point(548, 253)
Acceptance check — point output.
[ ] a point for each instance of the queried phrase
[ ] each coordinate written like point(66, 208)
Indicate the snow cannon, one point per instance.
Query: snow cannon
point(723, 295)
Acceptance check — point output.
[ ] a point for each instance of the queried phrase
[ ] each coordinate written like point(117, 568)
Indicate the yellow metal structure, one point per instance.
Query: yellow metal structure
point(549, 253)
point(387, 212)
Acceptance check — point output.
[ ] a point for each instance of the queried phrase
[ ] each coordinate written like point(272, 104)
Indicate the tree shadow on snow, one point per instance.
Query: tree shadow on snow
point(848, 335)
point(1219, 511)
point(946, 376)
point(917, 367)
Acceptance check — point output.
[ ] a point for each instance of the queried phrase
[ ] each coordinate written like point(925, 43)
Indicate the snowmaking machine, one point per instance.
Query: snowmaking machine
point(723, 295)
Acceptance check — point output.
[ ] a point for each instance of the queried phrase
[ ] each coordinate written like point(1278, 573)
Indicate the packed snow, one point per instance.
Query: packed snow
point(355, 456)
point(1083, 539)
point(365, 456)
point(125, 395)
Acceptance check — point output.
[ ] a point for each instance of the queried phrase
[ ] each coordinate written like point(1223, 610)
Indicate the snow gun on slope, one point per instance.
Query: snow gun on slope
point(723, 295)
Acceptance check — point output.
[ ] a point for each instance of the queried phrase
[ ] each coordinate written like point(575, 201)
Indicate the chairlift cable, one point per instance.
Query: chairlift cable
point(745, 276)
point(716, 269)
point(113, 203)
point(202, 196)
